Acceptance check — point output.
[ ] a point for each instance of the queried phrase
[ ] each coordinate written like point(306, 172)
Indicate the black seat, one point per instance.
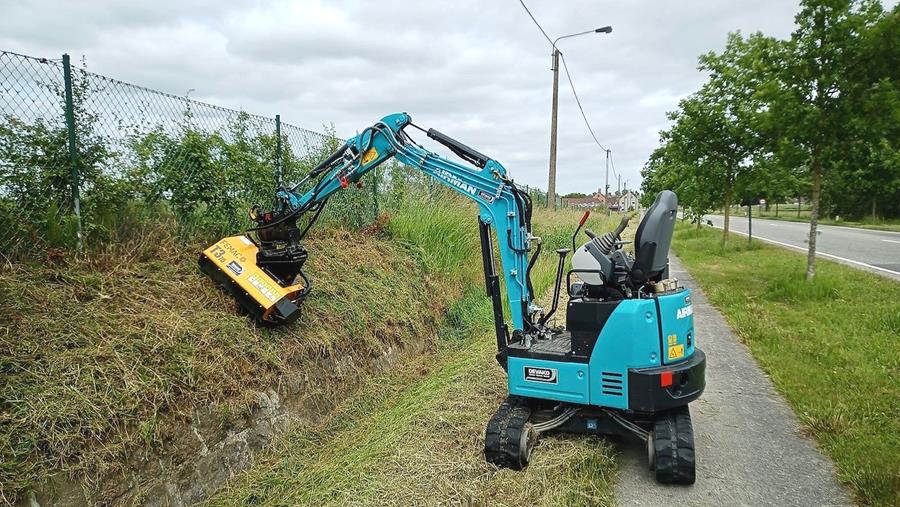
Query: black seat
point(653, 238)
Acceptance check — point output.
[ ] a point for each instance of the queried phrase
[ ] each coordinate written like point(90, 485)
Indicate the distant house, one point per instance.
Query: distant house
point(590, 202)
point(628, 201)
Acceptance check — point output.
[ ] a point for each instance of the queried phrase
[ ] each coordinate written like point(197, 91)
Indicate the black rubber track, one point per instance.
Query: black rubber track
point(503, 442)
point(673, 441)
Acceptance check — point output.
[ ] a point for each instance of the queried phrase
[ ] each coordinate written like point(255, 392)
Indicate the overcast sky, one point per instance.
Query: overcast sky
point(476, 70)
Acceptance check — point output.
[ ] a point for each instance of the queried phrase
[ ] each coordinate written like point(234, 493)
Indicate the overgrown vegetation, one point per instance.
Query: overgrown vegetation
point(829, 345)
point(415, 436)
point(139, 155)
point(104, 357)
point(813, 116)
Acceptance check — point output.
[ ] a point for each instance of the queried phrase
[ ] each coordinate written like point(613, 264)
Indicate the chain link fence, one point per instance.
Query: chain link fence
point(84, 159)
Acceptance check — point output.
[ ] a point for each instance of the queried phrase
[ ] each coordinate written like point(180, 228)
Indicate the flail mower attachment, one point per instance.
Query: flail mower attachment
point(261, 280)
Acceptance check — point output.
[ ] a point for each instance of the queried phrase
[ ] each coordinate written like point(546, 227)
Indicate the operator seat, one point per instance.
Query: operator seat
point(653, 238)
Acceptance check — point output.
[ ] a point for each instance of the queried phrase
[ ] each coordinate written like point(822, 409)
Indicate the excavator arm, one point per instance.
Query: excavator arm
point(502, 207)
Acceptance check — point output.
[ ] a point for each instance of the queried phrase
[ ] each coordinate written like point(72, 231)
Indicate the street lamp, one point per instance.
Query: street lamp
point(551, 185)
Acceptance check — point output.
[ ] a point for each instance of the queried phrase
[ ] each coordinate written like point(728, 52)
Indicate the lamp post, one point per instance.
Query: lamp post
point(551, 184)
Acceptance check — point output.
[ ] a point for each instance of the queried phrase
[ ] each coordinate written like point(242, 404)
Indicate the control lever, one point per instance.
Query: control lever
point(580, 224)
point(562, 252)
point(590, 234)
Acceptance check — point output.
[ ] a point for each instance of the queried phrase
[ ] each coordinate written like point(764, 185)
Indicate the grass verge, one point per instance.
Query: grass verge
point(414, 436)
point(889, 224)
point(831, 347)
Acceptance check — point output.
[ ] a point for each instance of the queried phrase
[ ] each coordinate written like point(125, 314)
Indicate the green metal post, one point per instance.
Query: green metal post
point(279, 161)
point(73, 151)
point(376, 183)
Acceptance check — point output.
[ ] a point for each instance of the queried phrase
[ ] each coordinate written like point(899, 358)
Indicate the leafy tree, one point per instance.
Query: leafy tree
point(811, 100)
point(817, 115)
point(715, 129)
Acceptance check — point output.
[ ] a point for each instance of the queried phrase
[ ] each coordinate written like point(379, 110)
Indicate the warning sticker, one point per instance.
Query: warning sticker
point(264, 287)
point(370, 155)
point(676, 352)
point(673, 339)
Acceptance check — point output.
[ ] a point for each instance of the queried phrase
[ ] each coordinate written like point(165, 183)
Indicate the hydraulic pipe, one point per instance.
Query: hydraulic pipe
point(562, 252)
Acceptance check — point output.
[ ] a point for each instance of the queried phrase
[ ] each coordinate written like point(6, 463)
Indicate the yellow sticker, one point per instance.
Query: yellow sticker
point(676, 351)
point(369, 155)
point(673, 339)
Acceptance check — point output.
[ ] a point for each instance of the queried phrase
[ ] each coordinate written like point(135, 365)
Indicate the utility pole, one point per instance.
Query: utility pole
point(606, 184)
point(551, 184)
point(551, 181)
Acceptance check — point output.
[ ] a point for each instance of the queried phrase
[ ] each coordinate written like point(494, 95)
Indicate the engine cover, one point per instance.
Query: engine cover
point(591, 265)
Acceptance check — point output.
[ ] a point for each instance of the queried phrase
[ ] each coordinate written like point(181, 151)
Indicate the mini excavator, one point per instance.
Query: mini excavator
point(625, 363)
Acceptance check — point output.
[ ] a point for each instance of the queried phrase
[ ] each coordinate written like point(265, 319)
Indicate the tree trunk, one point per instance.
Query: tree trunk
point(727, 216)
point(874, 216)
point(798, 207)
point(814, 214)
point(776, 209)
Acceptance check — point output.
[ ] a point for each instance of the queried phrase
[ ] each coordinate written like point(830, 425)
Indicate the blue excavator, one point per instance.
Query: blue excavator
point(625, 363)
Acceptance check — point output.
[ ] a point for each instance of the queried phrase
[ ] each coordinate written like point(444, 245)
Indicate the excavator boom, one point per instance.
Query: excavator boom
point(261, 271)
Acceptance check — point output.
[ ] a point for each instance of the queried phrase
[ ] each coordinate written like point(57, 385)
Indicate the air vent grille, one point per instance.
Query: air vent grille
point(611, 383)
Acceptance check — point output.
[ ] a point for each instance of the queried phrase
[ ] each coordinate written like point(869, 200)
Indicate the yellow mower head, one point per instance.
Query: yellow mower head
point(262, 283)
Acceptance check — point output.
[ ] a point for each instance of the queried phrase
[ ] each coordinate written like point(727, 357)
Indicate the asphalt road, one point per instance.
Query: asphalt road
point(749, 446)
point(875, 251)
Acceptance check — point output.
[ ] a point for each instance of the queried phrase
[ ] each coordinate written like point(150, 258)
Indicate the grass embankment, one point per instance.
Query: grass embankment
point(103, 361)
point(831, 346)
point(414, 436)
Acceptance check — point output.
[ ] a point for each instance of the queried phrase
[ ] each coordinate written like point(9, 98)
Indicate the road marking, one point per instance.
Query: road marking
point(891, 241)
point(823, 254)
point(787, 222)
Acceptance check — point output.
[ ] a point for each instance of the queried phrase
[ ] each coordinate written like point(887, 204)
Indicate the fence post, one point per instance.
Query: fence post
point(376, 184)
point(73, 150)
point(279, 160)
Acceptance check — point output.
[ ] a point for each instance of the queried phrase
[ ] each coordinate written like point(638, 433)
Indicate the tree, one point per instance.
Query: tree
point(810, 100)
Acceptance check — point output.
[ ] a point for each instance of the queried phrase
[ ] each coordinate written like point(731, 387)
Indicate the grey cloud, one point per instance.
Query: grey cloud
point(476, 70)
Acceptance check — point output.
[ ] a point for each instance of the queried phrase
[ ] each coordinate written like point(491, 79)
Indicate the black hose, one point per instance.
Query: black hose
point(307, 286)
point(313, 219)
point(531, 264)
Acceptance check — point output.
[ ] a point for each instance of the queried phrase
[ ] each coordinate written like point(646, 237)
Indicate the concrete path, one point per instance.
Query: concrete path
point(868, 249)
point(748, 443)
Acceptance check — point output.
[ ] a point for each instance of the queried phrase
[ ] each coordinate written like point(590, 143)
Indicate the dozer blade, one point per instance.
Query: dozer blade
point(231, 263)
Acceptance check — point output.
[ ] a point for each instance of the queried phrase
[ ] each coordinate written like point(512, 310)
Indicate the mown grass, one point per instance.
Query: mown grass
point(105, 359)
point(831, 346)
point(414, 436)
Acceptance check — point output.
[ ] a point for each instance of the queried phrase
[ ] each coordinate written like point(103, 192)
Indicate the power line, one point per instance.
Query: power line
point(578, 101)
point(530, 15)
point(568, 76)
